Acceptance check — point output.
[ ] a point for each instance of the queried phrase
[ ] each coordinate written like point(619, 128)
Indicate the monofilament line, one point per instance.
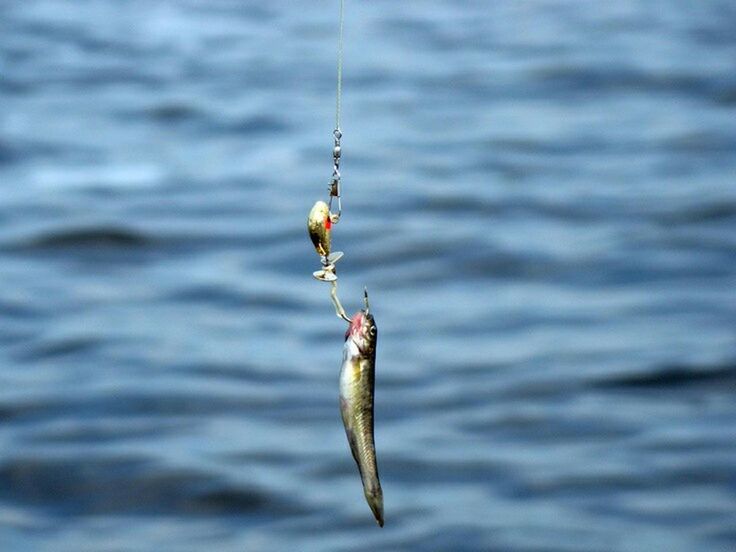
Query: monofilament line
point(339, 66)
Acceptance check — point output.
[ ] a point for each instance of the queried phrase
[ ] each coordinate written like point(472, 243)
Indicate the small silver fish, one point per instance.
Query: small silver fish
point(357, 385)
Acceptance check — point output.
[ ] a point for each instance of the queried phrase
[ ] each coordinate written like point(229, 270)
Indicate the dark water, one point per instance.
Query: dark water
point(540, 197)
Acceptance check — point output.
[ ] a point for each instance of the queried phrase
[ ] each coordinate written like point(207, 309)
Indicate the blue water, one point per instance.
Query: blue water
point(539, 195)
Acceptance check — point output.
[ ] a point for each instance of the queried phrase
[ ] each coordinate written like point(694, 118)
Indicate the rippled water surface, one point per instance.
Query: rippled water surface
point(539, 195)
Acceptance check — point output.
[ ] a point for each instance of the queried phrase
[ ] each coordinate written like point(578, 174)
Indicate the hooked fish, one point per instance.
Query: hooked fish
point(357, 385)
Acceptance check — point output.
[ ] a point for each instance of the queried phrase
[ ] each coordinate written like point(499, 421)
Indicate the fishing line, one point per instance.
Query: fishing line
point(339, 65)
point(337, 133)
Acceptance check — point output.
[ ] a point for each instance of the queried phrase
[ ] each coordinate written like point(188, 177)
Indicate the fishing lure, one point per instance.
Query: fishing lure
point(319, 225)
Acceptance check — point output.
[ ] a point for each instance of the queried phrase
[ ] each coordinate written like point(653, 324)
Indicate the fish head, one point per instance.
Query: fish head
point(363, 332)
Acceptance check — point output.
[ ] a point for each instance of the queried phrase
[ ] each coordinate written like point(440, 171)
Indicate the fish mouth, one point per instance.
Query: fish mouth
point(356, 323)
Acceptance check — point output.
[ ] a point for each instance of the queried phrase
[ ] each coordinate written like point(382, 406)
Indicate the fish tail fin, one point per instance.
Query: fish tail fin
point(374, 497)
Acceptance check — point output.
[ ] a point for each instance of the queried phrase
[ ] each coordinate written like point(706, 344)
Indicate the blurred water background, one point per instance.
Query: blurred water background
point(539, 195)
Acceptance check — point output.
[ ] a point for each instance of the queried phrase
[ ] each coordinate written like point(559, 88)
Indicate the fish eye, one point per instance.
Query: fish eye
point(372, 330)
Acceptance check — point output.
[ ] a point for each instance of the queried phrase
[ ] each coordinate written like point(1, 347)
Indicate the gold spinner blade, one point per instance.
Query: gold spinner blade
point(319, 225)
